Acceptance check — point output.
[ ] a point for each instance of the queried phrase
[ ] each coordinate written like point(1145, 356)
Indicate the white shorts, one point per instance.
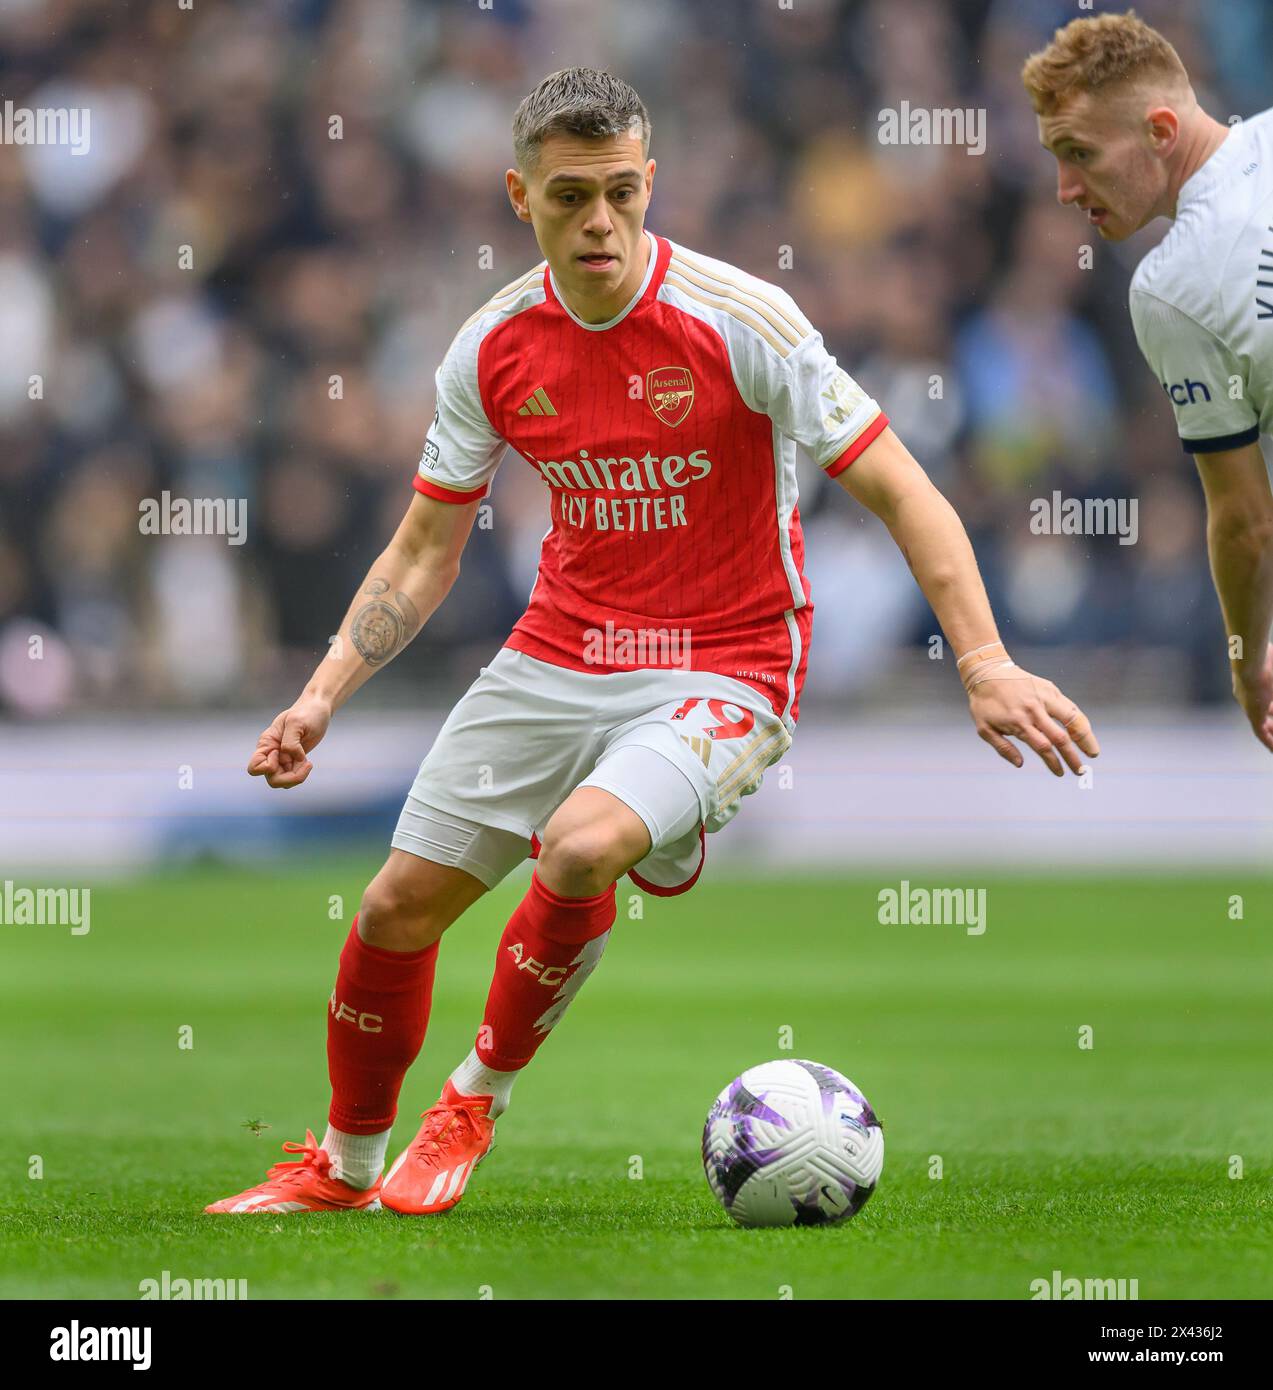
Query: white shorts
point(681, 748)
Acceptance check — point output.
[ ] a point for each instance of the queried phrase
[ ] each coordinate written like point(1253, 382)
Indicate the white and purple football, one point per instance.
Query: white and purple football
point(792, 1144)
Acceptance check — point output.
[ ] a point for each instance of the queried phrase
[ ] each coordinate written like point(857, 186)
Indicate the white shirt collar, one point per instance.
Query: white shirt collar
point(628, 307)
point(1208, 171)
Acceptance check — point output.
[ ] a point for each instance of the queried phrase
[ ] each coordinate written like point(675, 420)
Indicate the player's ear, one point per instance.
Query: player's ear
point(1164, 129)
point(517, 194)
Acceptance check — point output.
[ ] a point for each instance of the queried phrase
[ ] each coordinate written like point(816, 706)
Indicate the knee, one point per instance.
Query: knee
point(580, 861)
point(395, 915)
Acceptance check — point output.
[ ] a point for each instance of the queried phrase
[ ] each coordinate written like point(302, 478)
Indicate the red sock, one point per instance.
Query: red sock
point(549, 948)
point(375, 1025)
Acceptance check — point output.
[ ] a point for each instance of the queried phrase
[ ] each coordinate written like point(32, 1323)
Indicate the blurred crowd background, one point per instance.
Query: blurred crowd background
point(359, 258)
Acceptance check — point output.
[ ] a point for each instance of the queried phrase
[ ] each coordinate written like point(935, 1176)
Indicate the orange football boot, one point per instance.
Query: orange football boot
point(434, 1169)
point(305, 1185)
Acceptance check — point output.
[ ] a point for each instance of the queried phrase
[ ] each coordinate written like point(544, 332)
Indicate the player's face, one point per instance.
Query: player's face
point(586, 200)
point(1107, 163)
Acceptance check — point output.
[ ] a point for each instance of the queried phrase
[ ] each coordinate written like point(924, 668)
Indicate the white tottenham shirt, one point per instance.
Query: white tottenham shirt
point(1202, 299)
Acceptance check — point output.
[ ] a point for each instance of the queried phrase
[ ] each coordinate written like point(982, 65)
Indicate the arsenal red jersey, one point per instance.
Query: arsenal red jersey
point(667, 439)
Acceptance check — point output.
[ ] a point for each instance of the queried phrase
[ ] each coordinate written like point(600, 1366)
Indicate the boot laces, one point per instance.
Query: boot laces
point(446, 1122)
point(313, 1161)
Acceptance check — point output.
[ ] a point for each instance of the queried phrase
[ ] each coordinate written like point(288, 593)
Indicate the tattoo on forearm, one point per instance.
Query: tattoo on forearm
point(409, 615)
point(380, 629)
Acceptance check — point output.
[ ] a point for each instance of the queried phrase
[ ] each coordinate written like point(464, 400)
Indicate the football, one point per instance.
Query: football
point(792, 1143)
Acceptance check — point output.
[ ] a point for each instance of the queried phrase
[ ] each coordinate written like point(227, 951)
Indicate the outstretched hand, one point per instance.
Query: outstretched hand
point(1255, 695)
point(1007, 702)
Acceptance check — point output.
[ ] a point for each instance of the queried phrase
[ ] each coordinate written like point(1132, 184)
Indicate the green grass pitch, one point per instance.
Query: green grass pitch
point(1108, 1162)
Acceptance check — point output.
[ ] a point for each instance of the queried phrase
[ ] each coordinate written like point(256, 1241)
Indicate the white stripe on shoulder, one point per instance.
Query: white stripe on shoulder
point(673, 282)
point(761, 298)
point(520, 294)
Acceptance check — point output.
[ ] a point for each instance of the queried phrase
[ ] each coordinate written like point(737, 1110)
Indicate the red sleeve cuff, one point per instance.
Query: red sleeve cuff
point(445, 494)
point(871, 432)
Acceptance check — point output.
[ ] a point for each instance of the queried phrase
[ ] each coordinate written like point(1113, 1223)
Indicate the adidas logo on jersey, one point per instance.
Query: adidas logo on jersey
point(538, 404)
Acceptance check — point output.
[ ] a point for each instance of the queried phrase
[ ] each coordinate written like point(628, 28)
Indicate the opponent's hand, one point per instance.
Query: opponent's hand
point(1014, 704)
point(1254, 692)
point(281, 749)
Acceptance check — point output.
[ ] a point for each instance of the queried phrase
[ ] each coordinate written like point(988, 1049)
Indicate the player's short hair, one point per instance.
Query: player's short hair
point(1090, 55)
point(578, 101)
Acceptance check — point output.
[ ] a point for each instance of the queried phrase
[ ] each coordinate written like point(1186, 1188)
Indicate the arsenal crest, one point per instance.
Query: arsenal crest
point(670, 391)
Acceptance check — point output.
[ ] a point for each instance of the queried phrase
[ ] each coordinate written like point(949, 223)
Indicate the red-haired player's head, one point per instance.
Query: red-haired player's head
point(1117, 111)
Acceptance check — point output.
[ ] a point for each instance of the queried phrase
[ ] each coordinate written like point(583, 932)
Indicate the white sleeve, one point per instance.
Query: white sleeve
point(462, 449)
point(1205, 382)
point(811, 399)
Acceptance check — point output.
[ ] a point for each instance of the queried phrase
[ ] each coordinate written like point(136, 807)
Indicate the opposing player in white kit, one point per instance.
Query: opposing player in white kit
point(660, 395)
point(1117, 110)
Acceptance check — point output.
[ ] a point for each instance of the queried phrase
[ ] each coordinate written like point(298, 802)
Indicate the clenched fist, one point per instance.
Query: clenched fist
point(281, 750)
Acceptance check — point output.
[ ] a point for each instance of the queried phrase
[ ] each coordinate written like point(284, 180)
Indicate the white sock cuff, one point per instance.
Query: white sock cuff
point(474, 1078)
point(358, 1157)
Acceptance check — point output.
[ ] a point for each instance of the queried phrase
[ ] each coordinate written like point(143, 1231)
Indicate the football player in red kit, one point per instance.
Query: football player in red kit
point(660, 395)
